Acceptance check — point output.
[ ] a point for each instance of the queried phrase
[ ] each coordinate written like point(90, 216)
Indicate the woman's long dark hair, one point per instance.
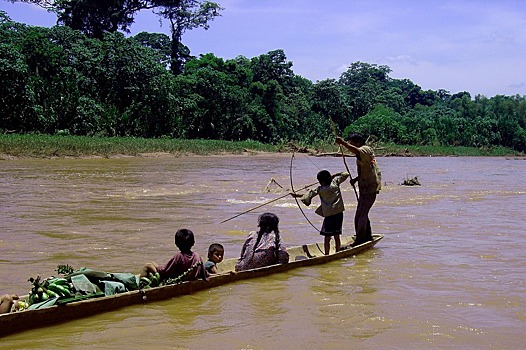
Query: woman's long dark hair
point(267, 223)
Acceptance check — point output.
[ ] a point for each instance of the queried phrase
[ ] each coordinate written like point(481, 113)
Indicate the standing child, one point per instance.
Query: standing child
point(331, 207)
point(369, 184)
point(215, 256)
point(181, 262)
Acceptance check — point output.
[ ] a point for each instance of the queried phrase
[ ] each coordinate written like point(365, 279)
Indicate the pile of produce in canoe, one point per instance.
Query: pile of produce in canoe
point(85, 283)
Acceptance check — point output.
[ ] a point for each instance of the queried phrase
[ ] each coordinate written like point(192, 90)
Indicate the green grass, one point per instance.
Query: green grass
point(43, 146)
point(406, 150)
point(46, 146)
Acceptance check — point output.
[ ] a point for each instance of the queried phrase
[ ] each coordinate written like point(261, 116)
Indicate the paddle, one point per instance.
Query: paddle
point(261, 205)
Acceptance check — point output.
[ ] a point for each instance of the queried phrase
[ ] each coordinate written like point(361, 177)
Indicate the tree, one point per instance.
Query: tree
point(94, 17)
point(363, 83)
point(413, 94)
point(506, 111)
point(329, 100)
point(59, 80)
point(14, 75)
point(185, 15)
point(273, 66)
point(158, 42)
point(463, 104)
point(215, 99)
point(381, 124)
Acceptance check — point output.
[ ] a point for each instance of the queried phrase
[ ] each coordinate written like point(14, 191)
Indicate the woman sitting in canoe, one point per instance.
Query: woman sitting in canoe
point(263, 247)
point(181, 262)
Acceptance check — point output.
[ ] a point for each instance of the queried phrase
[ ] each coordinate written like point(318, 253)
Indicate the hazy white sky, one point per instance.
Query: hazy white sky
point(457, 45)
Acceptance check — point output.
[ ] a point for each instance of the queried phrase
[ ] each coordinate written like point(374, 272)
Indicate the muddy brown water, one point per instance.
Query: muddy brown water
point(449, 274)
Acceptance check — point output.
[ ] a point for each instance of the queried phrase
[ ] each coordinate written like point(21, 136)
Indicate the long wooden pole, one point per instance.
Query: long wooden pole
point(343, 156)
point(271, 201)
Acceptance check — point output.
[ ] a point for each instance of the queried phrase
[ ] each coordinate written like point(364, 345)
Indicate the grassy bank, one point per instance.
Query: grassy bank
point(46, 146)
point(43, 146)
point(437, 151)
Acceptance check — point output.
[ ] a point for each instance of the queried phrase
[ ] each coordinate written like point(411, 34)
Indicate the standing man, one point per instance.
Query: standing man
point(369, 184)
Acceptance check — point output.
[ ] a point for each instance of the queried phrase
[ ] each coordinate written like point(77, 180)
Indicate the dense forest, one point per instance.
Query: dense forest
point(79, 81)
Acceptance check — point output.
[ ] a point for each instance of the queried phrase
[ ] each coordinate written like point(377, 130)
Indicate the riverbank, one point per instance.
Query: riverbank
point(47, 146)
point(13, 146)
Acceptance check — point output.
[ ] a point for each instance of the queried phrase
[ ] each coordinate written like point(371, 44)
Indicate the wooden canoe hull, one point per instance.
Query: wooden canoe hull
point(300, 256)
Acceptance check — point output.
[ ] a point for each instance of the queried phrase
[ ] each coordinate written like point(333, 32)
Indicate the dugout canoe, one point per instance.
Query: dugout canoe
point(300, 256)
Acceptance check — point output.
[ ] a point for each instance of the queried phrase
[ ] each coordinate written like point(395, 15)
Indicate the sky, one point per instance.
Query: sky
point(477, 46)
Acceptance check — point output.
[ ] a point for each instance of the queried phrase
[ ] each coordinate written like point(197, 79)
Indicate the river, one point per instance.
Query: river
point(450, 272)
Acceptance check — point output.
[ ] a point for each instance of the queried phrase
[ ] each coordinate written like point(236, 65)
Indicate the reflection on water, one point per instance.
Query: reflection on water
point(450, 272)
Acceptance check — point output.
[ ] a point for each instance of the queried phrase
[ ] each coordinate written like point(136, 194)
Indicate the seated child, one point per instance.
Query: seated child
point(181, 262)
point(215, 256)
point(6, 302)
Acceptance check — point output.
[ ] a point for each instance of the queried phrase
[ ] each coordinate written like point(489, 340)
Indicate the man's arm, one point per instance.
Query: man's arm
point(347, 145)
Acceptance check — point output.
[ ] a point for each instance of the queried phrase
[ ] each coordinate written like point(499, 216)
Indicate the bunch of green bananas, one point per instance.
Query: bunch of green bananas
point(49, 288)
point(153, 280)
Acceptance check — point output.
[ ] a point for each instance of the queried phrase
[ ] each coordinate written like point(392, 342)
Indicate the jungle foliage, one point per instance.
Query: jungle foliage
point(61, 80)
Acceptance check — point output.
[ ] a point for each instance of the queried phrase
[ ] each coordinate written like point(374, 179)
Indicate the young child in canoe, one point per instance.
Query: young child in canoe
point(181, 262)
point(331, 207)
point(6, 302)
point(215, 255)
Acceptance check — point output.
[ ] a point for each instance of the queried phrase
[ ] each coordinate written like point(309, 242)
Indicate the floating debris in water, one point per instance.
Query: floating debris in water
point(273, 186)
point(411, 182)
